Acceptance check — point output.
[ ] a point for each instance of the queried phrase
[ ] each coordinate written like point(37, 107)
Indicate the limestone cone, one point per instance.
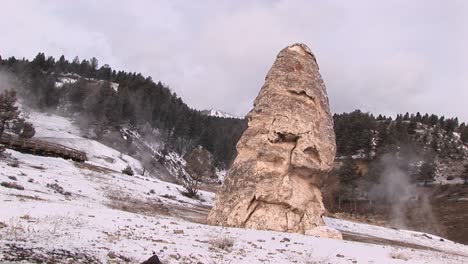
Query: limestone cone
point(285, 153)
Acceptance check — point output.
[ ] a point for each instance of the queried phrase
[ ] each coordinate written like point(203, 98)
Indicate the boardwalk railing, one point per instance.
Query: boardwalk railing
point(43, 148)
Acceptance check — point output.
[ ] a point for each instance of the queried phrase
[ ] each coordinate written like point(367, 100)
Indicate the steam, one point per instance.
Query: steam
point(7, 81)
point(408, 201)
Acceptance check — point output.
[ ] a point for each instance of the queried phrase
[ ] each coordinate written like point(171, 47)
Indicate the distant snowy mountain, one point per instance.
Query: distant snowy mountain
point(218, 113)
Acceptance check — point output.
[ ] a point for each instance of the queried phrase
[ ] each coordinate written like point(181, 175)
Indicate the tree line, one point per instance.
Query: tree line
point(359, 132)
point(138, 101)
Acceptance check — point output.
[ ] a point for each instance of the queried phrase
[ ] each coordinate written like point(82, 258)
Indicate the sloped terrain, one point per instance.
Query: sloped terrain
point(61, 211)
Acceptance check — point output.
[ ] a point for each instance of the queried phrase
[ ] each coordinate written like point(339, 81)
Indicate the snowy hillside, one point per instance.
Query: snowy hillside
point(70, 78)
point(69, 212)
point(64, 132)
point(58, 129)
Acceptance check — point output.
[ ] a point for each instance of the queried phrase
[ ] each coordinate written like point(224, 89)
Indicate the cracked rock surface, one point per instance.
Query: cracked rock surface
point(285, 153)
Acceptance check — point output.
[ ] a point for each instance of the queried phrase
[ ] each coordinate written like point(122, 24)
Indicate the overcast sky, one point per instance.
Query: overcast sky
point(378, 56)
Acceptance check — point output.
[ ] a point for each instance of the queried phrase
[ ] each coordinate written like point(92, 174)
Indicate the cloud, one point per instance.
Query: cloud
point(384, 57)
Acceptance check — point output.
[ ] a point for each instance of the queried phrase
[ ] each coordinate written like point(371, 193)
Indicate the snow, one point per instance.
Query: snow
point(220, 174)
point(108, 211)
point(73, 78)
point(219, 113)
point(65, 80)
point(64, 132)
point(84, 222)
point(52, 126)
point(114, 86)
point(442, 179)
point(406, 236)
point(87, 222)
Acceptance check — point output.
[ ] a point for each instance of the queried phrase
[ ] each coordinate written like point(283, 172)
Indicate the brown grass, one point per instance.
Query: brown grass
point(224, 243)
point(133, 205)
point(92, 167)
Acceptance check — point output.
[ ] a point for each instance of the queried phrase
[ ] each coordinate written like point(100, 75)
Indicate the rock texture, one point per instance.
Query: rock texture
point(285, 153)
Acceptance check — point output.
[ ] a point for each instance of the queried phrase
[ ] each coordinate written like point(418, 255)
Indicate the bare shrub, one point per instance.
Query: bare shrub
point(224, 243)
point(130, 204)
point(191, 188)
point(128, 170)
point(57, 188)
point(14, 164)
point(399, 255)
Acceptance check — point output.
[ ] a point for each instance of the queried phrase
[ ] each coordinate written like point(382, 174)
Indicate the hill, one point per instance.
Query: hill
point(421, 156)
point(93, 213)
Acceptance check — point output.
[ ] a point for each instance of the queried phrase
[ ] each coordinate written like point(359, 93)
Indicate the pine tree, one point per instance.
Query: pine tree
point(406, 117)
point(10, 119)
point(425, 119)
point(413, 125)
point(418, 117)
point(39, 61)
point(61, 65)
point(451, 124)
point(94, 63)
point(348, 174)
point(433, 120)
point(428, 170)
point(464, 134)
point(75, 65)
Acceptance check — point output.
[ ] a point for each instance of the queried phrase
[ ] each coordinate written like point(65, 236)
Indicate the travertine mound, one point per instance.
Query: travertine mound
point(285, 153)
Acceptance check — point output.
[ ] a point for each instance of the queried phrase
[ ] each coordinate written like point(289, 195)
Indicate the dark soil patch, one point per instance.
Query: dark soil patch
point(17, 253)
point(29, 197)
point(447, 219)
point(58, 189)
point(94, 168)
point(12, 185)
point(37, 167)
point(137, 206)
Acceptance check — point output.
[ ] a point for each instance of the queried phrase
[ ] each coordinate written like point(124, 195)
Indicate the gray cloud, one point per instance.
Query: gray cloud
point(384, 57)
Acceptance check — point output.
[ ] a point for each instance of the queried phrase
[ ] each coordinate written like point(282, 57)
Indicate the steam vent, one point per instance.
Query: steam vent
point(284, 155)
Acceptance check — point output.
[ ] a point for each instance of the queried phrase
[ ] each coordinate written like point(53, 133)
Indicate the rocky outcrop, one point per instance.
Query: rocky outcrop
point(285, 153)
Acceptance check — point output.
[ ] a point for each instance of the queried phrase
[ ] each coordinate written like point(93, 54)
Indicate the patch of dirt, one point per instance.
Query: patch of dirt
point(381, 241)
point(12, 185)
point(28, 197)
point(91, 167)
point(152, 207)
point(105, 158)
point(37, 167)
point(195, 213)
point(137, 206)
point(448, 218)
point(58, 189)
point(18, 253)
point(451, 212)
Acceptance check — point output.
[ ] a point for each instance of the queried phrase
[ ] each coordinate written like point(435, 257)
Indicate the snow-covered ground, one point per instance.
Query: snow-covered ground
point(61, 130)
point(94, 210)
point(64, 80)
point(135, 215)
point(397, 235)
point(71, 78)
